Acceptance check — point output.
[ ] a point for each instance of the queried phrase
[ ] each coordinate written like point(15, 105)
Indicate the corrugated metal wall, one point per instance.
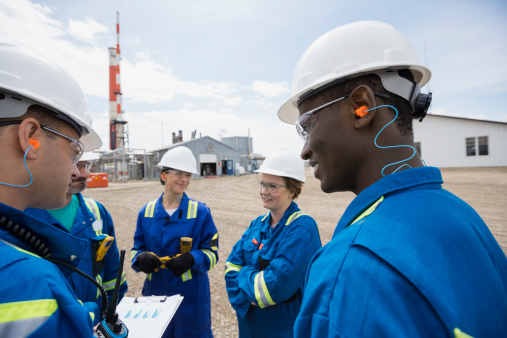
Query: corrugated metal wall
point(443, 141)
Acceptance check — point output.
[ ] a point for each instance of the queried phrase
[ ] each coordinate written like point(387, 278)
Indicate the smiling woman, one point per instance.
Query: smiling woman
point(265, 270)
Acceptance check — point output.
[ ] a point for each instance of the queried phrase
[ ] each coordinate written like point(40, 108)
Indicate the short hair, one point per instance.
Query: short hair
point(404, 120)
point(293, 185)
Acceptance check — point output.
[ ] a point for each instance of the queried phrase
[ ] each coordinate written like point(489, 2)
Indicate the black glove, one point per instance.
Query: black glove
point(180, 264)
point(148, 262)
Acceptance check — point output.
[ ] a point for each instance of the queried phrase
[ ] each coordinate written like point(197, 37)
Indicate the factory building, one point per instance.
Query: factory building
point(448, 142)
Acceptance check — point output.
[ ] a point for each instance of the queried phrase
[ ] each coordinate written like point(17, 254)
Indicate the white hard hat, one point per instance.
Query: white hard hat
point(179, 158)
point(352, 50)
point(27, 79)
point(286, 163)
point(89, 156)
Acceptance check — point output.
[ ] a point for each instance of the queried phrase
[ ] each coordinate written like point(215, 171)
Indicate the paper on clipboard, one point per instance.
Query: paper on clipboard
point(147, 316)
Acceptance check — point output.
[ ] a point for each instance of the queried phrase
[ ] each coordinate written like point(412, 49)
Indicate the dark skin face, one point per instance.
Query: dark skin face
point(341, 145)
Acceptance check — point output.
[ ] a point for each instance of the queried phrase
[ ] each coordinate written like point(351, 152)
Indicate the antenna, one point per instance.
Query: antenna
point(114, 300)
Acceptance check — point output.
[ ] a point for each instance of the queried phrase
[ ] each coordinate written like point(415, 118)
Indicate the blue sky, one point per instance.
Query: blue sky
point(224, 67)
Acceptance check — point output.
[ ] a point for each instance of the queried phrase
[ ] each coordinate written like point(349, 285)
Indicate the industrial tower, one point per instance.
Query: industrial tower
point(118, 127)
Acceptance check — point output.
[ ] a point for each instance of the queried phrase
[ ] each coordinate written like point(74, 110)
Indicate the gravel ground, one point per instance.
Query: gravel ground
point(234, 202)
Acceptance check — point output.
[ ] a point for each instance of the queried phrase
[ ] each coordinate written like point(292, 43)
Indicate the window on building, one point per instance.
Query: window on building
point(418, 147)
point(483, 145)
point(477, 143)
point(470, 146)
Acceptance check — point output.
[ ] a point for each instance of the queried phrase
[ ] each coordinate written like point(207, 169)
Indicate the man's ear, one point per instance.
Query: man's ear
point(362, 100)
point(30, 135)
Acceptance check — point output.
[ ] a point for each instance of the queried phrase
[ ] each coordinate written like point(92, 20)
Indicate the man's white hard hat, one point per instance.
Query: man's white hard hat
point(27, 79)
point(179, 158)
point(353, 50)
point(285, 163)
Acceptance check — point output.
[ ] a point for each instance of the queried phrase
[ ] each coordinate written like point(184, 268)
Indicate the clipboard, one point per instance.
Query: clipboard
point(148, 316)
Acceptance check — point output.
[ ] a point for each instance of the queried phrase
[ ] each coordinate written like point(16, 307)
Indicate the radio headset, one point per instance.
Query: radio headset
point(110, 326)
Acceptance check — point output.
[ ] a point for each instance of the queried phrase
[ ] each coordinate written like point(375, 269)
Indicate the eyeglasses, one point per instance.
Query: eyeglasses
point(178, 173)
point(76, 146)
point(305, 122)
point(270, 187)
point(84, 165)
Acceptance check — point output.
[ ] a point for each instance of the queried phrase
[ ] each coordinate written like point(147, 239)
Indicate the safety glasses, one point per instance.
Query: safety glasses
point(76, 146)
point(305, 122)
point(270, 187)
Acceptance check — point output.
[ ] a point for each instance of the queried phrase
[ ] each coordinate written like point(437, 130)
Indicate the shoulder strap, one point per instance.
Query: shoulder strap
point(150, 209)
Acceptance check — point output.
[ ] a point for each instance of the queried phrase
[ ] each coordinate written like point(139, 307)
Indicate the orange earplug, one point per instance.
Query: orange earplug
point(34, 143)
point(361, 111)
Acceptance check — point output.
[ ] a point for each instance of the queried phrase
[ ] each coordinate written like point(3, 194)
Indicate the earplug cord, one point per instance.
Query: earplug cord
point(31, 177)
point(397, 146)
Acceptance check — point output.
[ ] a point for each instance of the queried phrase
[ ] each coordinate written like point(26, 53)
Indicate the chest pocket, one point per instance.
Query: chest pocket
point(97, 225)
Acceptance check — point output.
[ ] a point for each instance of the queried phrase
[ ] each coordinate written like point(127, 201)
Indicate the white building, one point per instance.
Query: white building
point(446, 141)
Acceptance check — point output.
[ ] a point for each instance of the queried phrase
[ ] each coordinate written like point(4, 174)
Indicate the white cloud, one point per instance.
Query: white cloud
point(270, 89)
point(85, 30)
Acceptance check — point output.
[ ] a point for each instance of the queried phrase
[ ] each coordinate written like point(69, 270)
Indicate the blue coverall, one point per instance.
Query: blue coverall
point(408, 259)
point(92, 223)
point(159, 233)
point(35, 298)
point(267, 267)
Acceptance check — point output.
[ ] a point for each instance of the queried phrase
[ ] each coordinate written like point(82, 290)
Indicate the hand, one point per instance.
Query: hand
point(179, 265)
point(148, 262)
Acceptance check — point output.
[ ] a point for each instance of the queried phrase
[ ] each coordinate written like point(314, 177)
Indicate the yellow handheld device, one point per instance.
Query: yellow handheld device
point(104, 246)
point(185, 244)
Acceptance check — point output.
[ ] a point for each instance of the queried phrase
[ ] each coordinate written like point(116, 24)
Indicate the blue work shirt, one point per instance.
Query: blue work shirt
point(91, 223)
point(267, 267)
point(408, 259)
point(35, 298)
point(161, 234)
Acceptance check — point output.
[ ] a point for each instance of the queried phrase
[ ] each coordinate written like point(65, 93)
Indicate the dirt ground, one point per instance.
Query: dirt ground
point(234, 202)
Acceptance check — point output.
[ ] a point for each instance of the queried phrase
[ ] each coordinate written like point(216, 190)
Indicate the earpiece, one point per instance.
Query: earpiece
point(361, 111)
point(34, 143)
point(163, 175)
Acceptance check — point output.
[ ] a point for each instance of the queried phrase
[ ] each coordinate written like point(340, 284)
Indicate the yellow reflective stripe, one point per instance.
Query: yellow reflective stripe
point(212, 258)
point(15, 311)
point(192, 209)
point(294, 216)
point(261, 291)
point(150, 209)
point(369, 210)
point(99, 280)
point(231, 267)
point(92, 316)
point(149, 276)
point(133, 253)
point(263, 218)
point(93, 207)
point(459, 334)
point(19, 249)
point(187, 276)
point(215, 238)
point(109, 285)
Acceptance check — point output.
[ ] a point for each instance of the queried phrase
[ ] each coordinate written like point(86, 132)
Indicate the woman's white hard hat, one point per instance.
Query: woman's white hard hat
point(353, 50)
point(27, 79)
point(179, 158)
point(285, 163)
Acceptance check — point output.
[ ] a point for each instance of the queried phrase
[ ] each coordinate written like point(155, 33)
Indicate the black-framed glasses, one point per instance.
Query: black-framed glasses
point(76, 146)
point(270, 187)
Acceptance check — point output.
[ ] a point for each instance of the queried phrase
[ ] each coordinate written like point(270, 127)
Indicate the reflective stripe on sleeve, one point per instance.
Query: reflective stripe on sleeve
point(150, 209)
point(187, 276)
point(133, 253)
point(20, 319)
point(109, 285)
point(261, 291)
point(214, 242)
point(231, 267)
point(212, 258)
point(99, 280)
point(192, 209)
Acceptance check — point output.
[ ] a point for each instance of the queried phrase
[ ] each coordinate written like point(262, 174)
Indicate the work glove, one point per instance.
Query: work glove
point(180, 264)
point(148, 262)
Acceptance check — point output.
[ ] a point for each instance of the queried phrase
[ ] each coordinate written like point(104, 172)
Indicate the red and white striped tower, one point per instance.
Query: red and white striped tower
point(116, 132)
